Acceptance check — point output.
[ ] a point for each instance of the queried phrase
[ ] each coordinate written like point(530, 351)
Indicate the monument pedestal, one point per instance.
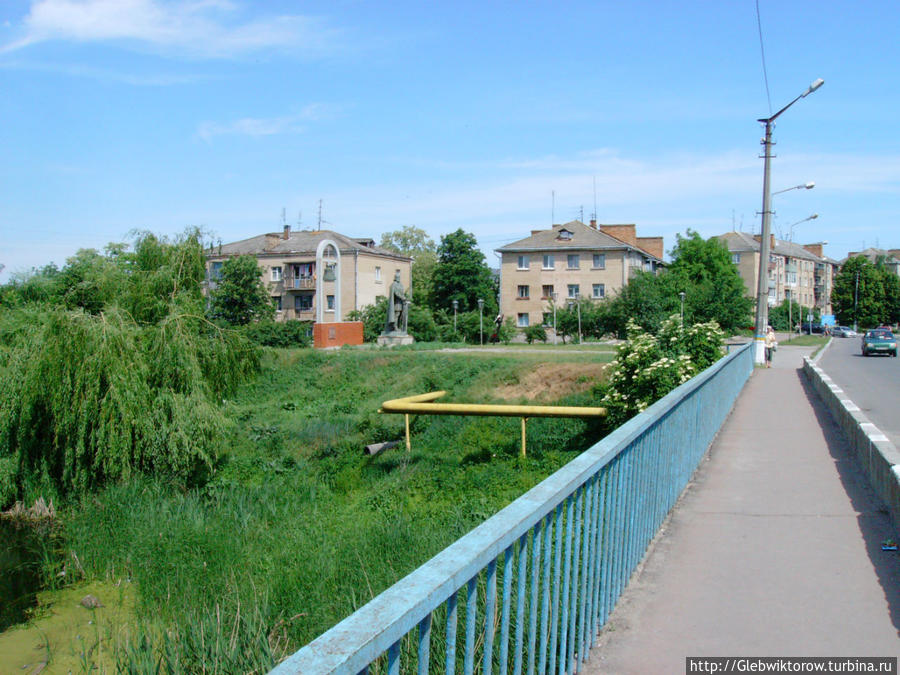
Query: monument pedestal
point(394, 339)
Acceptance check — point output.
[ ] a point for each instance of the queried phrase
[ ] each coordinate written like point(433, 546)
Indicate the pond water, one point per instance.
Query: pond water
point(21, 553)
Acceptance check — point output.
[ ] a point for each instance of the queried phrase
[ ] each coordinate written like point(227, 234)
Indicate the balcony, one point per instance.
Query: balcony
point(299, 283)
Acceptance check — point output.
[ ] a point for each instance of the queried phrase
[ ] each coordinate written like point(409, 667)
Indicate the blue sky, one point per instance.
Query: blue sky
point(118, 115)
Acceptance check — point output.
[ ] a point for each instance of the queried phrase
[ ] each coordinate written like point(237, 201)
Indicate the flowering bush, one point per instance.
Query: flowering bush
point(647, 367)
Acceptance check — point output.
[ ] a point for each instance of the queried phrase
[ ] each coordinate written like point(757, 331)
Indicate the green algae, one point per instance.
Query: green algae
point(68, 637)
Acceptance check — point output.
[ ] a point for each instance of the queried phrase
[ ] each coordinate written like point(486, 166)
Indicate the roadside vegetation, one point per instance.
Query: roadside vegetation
point(215, 491)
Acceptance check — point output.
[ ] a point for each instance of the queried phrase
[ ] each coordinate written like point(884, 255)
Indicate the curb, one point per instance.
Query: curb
point(879, 458)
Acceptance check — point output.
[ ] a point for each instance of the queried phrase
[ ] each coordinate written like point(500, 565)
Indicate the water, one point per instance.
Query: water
point(21, 553)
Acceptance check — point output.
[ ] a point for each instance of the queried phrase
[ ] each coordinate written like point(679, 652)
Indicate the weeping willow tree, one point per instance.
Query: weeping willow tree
point(90, 395)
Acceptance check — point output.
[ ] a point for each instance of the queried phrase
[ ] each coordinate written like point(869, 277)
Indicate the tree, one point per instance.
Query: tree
point(414, 243)
point(462, 274)
point(240, 296)
point(714, 291)
point(858, 295)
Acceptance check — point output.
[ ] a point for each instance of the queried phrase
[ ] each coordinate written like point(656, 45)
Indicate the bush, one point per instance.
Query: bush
point(279, 333)
point(535, 333)
point(647, 367)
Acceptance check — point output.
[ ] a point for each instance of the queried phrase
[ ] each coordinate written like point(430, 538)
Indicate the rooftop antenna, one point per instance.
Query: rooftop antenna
point(299, 220)
point(581, 213)
point(319, 226)
point(594, 217)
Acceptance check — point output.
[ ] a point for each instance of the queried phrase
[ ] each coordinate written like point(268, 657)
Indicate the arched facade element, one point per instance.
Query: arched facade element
point(323, 256)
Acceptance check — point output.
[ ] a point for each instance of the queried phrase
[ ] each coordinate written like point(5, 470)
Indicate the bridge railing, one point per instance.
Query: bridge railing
point(561, 554)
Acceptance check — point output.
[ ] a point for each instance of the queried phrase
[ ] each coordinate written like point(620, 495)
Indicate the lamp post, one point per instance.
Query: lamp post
point(762, 295)
point(481, 321)
point(682, 308)
point(455, 307)
point(553, 297)
point(578, 305)
point(791, 300)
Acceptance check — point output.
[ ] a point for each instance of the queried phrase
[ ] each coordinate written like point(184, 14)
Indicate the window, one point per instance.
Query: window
point(736, 258)
point(523, 262)
point(522, 320)
point(547, 291)
point(276, 300)
point(599, 290)
point(377, 275)
point(572, 261)
point(522, 292)
point(574, 290)
point(215, 271)
point(548, 318)
point(303, 302)
point(329, 303)
point(276, 274)
point(565, 234)
point(599, 261)
point(548, 261)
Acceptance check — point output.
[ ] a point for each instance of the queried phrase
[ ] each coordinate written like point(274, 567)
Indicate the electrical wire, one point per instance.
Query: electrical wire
point(763, 54)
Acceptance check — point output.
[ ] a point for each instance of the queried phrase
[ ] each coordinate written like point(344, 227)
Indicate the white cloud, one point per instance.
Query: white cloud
point(199, 28)
point(256, 126)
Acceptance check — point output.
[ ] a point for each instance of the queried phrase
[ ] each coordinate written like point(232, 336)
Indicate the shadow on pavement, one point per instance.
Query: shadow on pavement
point(873, 519)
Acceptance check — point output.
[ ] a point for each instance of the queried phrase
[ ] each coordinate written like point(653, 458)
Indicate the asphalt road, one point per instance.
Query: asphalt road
point(872, 383)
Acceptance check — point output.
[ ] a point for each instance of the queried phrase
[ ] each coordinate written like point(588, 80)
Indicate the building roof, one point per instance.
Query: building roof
point(302, 243)
point(873, 254)
point(583, 237)
point(742, 241)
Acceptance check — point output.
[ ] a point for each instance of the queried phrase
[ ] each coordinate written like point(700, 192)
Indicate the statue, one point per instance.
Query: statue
point(397, 308)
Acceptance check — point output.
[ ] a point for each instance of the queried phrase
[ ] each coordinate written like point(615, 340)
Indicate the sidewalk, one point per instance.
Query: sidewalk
point(774, 550)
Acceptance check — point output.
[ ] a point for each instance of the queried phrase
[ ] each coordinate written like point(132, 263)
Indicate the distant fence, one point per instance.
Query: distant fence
point(561, 555)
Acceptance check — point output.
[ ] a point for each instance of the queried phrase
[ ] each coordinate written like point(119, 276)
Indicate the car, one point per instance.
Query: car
point(879, 341)
point(843, 331)
point(816, 328)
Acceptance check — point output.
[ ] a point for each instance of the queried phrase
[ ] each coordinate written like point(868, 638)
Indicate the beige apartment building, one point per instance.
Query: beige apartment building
point(801, 272)
point(570, 261)
point(317, 275)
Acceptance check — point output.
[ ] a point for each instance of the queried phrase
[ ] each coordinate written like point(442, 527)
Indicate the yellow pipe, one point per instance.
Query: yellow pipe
point(405, 405)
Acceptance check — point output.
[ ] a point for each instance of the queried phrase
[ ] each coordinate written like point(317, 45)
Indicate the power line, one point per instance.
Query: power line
point(762, 52)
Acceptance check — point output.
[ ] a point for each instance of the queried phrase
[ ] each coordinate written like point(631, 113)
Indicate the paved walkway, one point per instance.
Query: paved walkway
point(774, 550)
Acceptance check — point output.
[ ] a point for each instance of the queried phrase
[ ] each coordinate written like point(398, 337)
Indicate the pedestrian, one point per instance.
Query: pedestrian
point(771, 345)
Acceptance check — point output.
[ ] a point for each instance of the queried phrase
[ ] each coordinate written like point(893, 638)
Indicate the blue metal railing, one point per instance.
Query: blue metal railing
point(568, 547)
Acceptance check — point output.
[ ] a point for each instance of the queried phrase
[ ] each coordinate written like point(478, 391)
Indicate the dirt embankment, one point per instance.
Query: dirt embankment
point(551, 381)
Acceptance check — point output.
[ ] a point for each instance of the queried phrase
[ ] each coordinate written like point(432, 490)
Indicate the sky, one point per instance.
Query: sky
point(237, 116)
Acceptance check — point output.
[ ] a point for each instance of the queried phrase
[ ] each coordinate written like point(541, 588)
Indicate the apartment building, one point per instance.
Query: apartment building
point(570, 261)
point(801, 272)
point(890, 258)
point(317, 275)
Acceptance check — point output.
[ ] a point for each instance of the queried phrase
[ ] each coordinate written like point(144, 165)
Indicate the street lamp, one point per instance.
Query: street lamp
point(805, 186)
point(682, 308)
point(481, 321)
point(455, 307)
point(553, 296)
point(578, 305)
point(791, 299)
point(762, 295)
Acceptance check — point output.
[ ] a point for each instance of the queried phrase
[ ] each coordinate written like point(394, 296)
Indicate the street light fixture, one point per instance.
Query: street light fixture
point(481, 321)
point(805, 186)
point(762, 295)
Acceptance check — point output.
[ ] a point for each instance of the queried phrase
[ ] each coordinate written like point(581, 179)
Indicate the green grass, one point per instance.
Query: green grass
point(804, 341)
point(296, 527)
